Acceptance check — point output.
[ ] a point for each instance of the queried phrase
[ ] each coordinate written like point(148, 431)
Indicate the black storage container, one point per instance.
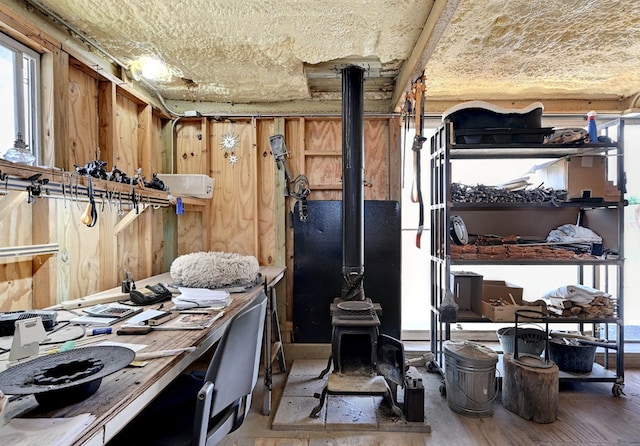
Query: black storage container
point(414, 399)
point(479, 122)
point(572, 358)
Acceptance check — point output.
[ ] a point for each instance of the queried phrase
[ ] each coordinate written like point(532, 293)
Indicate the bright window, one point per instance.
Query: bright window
point(19, 86)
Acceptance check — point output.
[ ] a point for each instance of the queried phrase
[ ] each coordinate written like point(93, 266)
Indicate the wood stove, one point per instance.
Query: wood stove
point(355, 334)
point(364, 361)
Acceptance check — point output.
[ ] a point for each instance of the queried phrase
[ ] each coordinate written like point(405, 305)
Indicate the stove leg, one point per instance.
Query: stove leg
point(326, 370)
point(316, 410)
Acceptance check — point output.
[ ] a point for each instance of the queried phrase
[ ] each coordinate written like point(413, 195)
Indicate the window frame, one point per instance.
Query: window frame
point(26, 97)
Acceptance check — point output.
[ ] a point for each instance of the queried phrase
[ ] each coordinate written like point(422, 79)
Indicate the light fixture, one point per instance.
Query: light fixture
point(279, 152)
point(134, 70)
point(278, 147)
point(154, 69)
point(149, 68)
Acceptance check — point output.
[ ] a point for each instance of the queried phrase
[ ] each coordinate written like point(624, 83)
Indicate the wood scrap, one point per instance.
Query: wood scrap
point(502, 248)
point(601, 307)
point(529, 390)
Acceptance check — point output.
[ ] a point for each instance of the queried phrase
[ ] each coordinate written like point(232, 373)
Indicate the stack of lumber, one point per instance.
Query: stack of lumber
point(509, 252)
point(538, 252)
point(464, 252)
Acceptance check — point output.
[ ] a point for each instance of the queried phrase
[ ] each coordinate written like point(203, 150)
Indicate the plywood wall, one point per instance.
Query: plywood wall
point(15, 273)
point(102, 123)
point(92, 116)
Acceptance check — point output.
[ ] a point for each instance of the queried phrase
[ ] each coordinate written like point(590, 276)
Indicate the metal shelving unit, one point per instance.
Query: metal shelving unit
point(444, 151)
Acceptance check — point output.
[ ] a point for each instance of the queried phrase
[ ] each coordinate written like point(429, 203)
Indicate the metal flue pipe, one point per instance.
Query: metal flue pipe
point(353, 183)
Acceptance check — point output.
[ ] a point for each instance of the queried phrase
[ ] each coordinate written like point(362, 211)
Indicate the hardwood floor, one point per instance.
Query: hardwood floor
point(588, 415)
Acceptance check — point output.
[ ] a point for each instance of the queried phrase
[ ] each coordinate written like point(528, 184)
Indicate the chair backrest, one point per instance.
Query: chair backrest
point(233, 371)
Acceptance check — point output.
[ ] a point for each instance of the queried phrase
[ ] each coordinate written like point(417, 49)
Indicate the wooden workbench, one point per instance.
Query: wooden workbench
point(125, 393)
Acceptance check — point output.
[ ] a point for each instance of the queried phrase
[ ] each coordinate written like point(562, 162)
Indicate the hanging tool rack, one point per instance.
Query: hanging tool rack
point(19, 183)
point(41, 182)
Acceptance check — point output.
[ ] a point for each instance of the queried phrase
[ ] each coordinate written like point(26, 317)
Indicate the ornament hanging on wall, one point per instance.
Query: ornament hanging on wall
point(229, 143)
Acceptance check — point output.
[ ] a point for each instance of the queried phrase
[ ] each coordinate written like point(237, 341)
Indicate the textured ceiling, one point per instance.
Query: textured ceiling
point(538, 49)
point(285, 55)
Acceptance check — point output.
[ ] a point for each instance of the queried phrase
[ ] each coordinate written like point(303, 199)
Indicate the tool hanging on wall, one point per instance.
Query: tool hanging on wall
point(35, 189)
point(417, 94)
point(301, 189)
point(90, 214)
point(406, 115)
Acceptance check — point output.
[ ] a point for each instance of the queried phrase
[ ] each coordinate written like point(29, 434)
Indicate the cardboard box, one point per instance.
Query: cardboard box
point(192, 185)
point(580, 176)
point(493, 290)
point(467, 290)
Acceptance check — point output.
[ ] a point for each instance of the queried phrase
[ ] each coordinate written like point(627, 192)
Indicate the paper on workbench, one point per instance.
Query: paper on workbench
point(192, 321)
point(142, 318)
point(201, 298)
point(53, 431)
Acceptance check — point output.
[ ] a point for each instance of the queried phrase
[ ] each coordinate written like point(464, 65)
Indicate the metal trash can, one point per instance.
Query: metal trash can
point(470, 378)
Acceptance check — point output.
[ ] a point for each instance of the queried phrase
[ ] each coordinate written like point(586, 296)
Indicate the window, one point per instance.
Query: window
point(19, 86)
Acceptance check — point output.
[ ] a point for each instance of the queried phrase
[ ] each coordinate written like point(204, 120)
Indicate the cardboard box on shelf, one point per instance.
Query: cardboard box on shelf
point(580, 176)
point(612, 192)
point(467, 290)
point(501, 300)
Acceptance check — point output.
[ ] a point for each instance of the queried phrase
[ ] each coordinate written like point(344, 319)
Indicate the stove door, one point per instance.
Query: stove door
point(390, 359)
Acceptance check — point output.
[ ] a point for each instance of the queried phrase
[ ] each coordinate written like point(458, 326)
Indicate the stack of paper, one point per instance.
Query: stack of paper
point(191, 321)
point(201, 298)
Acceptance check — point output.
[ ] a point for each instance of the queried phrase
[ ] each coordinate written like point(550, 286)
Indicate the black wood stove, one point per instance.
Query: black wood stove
point(365, 362)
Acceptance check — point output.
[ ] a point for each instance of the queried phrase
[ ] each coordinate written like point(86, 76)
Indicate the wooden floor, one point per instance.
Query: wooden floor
point(588, 415)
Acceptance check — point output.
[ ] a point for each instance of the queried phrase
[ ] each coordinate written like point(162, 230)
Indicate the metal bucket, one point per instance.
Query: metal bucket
point(530, 340)
point(470, 378)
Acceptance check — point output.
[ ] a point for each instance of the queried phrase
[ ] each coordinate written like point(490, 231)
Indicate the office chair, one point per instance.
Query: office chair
point(201, 409)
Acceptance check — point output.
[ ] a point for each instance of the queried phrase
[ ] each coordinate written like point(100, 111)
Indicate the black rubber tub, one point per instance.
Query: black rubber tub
point(572, 358)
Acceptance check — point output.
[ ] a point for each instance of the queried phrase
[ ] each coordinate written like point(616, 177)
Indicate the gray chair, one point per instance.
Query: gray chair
point(201, 409)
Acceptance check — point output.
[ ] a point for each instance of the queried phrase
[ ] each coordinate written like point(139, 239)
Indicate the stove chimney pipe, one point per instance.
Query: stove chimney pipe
point(353, 183)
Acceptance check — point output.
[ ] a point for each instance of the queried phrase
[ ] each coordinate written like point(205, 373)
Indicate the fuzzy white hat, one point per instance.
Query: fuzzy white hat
point(214, 270)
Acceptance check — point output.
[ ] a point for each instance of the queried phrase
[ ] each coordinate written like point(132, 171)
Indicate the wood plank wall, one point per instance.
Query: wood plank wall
point(93, 116)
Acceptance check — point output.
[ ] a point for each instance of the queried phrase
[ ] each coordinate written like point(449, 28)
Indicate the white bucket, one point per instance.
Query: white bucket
point(470, 378)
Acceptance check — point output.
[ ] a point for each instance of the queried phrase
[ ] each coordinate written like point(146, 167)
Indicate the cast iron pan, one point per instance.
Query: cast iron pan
point(458, 231)
point(67, 377)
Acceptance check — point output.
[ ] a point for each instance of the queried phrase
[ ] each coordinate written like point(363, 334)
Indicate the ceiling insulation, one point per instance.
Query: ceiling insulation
point(284, 56)
point(249, 51)
point(538, 49)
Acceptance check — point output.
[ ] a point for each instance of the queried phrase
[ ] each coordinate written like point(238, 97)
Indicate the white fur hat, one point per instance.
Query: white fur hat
point(214, 270)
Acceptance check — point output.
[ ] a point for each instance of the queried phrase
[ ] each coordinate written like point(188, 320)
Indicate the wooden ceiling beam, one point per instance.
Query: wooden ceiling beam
point(441, 13)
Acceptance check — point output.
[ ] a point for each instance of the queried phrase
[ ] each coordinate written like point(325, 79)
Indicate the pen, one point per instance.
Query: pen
point(99, 331)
